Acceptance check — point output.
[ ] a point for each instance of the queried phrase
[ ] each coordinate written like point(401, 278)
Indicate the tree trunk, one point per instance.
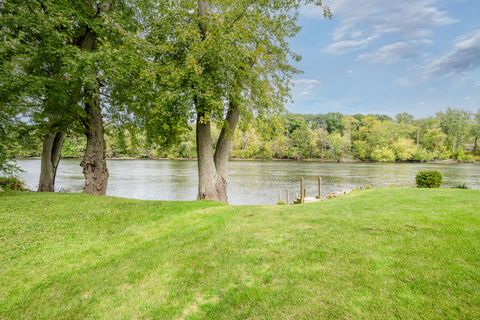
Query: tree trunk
point(475, 148)
point(210, 184)
point(224, 143)
point(213, 167)
point(52, 147)
point(93, 163)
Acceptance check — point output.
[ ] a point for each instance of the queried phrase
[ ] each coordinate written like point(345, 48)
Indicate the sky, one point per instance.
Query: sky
point(388, 57)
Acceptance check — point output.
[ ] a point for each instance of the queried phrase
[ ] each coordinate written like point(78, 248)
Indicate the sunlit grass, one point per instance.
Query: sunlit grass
point(377, 254)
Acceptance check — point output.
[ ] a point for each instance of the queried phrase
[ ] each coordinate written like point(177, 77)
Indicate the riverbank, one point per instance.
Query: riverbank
point(447, 161)
point(389, 253)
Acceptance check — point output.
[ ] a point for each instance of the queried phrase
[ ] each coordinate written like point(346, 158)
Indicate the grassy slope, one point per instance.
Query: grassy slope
point(399, 253)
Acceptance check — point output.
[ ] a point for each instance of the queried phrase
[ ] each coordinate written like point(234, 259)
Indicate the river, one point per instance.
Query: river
point(250, 182)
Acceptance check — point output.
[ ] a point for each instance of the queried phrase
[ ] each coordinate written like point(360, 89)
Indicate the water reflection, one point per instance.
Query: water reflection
point(251, 182)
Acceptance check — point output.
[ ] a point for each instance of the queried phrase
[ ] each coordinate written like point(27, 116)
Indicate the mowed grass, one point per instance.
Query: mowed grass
point(377, 254)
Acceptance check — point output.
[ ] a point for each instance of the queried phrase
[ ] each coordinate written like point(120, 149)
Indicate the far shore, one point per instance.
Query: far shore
point(449, 161)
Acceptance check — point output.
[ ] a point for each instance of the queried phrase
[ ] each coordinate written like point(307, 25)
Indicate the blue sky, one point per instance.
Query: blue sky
point(388, 56)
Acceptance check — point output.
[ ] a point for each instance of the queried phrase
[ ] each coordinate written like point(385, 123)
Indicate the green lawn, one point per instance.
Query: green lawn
point(377, 254)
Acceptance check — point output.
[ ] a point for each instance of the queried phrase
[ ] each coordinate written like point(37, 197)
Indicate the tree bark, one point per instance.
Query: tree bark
point(52, 147)
point(224, 144)
point(210, 184)
point(93, 163)
point(213, 167)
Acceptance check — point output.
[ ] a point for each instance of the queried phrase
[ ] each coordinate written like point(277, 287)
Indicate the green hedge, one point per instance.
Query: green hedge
point(429, 179)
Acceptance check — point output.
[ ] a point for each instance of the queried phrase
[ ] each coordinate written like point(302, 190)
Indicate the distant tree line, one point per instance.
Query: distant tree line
point(453, 134)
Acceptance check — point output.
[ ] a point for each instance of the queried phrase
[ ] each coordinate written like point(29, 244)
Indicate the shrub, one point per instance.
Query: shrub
point(423, 155)
point(405, 149)
point(360, 149)
point(429, 179)
point(383, 155)
point(466, 157)
point(12, 183)
point(461, 186)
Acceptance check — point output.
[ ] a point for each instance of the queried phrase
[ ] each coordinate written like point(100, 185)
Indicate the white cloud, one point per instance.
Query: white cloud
point(396, 51)
point(362, 22)
point(463, 57)
point(304, 87)
point(476, 84)
point(342, 46)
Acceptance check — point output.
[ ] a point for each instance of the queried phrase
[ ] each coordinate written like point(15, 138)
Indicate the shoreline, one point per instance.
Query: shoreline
point(346, 161)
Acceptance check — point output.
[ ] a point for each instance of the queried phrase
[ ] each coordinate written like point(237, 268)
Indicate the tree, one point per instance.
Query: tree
point(303, 142)
point(7, 166)
point(404, 118)
point(434, 140)
point(455, 124)
point(340, 145)
point(405, 149)
point(68, 58)
point(227, 59)
point(383, 154)
point(476, 132)
point(333, 122)
point(34, 43)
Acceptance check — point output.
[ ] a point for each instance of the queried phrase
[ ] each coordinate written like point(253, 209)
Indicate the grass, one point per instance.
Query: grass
point(376, 254)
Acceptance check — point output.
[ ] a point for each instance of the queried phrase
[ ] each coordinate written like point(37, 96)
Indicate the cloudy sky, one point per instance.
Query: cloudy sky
point(389, 56)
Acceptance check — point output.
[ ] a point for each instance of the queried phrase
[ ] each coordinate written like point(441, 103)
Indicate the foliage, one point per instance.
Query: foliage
point(434, 139)
point(291, 136)
point(12, 183)
point(461, 186)
point(422, 155)
point(74, 256)
point(429, 179)
point(404, 118)
point(339, 145)
point(383, 154)
point(405, 149)
point(455, 124)
point(475, 132)
point(11, 136)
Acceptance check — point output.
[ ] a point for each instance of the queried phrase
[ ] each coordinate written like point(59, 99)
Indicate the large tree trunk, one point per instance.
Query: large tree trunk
point(52, 147)
point(210, 184)
point(93, 163)
point(213, 167)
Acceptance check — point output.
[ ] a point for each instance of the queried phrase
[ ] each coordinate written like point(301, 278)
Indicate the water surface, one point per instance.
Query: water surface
point(251, 182)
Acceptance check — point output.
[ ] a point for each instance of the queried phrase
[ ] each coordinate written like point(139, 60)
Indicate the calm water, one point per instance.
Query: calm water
point(251, 182)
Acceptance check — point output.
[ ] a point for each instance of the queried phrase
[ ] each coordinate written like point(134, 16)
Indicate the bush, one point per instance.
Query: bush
point(360, 149)
point(405, 149)
point(423, 155)
point(466, 157)
point(461, 186)
point(429, 179)
point(383, 155)
point(12, 183)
